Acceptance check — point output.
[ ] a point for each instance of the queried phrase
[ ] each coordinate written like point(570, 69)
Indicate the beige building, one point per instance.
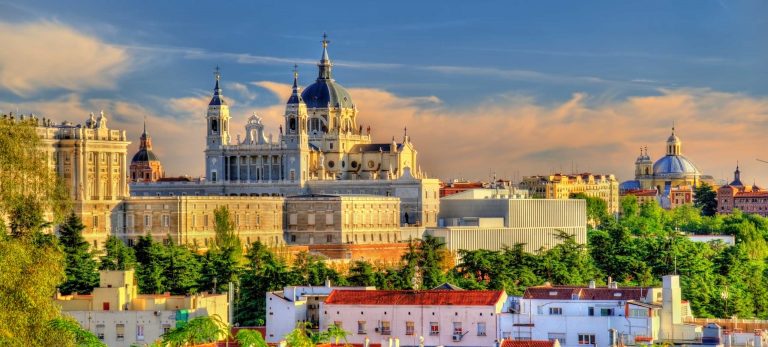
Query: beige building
point(91, 159)
point(335, 219)
point(190, 219)
point(560, 186)
point(119, 316)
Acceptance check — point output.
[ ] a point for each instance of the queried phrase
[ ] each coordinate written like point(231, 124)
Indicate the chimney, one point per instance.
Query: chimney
point(327, 282)
point(592, 284)
point(610, 280)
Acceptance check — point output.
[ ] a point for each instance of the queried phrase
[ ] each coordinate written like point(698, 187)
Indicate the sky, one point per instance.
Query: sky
point(510, 88)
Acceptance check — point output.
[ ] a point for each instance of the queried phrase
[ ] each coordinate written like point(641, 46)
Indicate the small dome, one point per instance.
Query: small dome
point(673, 138)
point(144, 155)
point(326, 93)
point(675, 165)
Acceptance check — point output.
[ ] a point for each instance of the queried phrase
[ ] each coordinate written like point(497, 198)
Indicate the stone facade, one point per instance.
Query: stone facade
point(145, 165)
point(748, 199)
point(190, 219)
point(336, 219)
point(91, 160)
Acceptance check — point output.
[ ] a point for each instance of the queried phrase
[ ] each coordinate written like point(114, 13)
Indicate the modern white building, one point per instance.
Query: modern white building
point(119, 316)
point(296, 304)
point(488, 221)
point(600, 316)
point(413, 318)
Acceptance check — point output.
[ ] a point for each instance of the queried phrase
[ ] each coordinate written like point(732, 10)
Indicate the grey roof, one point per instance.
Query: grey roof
point(374, 147)
point(218, 98)
point(326, 93)
point(447, 286)
point(144, 155)
point(674, 165)
point(630, 185)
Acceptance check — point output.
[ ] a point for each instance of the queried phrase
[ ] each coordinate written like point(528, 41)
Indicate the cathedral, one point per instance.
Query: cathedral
point(321, 149)
point(666, 175)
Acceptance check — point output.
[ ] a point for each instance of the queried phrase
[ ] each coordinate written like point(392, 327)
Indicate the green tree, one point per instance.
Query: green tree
point(597, 209)
point(203, 329)
point(362, 274)
point(705, 199)
point(117, 256)
point(81, 269)
point(182, 270)
point(222, 263)
point(150, 257)
point(250, 338)
point(70, 327)
point(263, 272)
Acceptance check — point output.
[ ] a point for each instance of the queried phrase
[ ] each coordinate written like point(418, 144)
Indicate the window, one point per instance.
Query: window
point(166, 328)
point(638, 312)
point(311, 219)
point(166, 221)
point(95, 221)
point(385, 328)
point(556, 311)
point(557, 336)
point(100, 331)
point(457, 330)
point(293, 219)
point(329, 238)
point(205, 221)
point(434, 328)
point(481, 329)
point(409, 328)
point(606, 312)
point(140, 333)
point(587, 339)
point(361, 327)
point(147, 220)
point(591, 311)
point(119, 332)
point(130, 243)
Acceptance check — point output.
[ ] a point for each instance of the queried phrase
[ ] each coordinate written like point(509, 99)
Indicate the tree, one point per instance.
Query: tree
point(117, 255)
point(263, 272)
point(597, 209)
point(82, 337)
point(182, 270)
point(150, 257)
point(81, 269)
point(250, 338)
point(198, 330)
point(705, 199)
point(31, 268)
point(222, 262)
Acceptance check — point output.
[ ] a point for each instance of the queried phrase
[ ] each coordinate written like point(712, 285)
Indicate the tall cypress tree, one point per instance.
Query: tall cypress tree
point(81, 267)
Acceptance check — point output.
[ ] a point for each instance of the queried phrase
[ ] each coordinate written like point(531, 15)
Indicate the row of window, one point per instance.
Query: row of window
point(385, 328)
point(599, 311)
point(120, 331)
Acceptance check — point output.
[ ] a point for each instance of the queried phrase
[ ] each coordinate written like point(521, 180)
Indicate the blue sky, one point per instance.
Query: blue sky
point(522, 60)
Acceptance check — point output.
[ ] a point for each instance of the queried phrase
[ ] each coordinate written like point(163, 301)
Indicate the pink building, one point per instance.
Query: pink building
point(439, 317)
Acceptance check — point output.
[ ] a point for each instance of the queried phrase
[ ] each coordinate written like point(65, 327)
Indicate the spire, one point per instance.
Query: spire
point(295, 95)
point(325, 62)
point(144, 133)
point(145, 141)
point(737, 177)
point(218, 97)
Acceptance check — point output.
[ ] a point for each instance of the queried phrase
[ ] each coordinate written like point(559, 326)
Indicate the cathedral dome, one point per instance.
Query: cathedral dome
point(144, 155)
point(326, 93)
point(675, 165)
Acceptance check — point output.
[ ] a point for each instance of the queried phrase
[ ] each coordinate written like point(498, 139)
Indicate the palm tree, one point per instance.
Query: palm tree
point(336, 333)
point(201, 329)
point(250, 338)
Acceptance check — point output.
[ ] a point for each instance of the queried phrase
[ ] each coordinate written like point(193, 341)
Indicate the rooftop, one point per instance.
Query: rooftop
point(415, 297)
point(585, 293)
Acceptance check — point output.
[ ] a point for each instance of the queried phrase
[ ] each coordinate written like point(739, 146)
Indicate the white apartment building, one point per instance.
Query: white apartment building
point(600, 316)
point(296, 304)
point(413, 318)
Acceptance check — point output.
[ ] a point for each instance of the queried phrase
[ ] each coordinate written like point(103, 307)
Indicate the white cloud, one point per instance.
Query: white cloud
point(46, 54)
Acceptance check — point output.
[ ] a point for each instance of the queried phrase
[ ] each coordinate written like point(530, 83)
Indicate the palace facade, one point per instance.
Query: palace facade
point(321, 149)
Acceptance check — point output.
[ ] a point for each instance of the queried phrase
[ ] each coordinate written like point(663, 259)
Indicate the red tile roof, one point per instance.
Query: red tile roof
point(415, 297)
point(641, 192)
point(527, 343)
point(583, 293)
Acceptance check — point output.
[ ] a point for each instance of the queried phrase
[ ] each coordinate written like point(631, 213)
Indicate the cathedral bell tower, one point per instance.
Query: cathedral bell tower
point(217, 132)
point(296, 138)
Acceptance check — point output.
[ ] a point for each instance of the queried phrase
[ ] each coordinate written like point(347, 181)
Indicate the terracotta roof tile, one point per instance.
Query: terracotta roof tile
point(415, 297)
